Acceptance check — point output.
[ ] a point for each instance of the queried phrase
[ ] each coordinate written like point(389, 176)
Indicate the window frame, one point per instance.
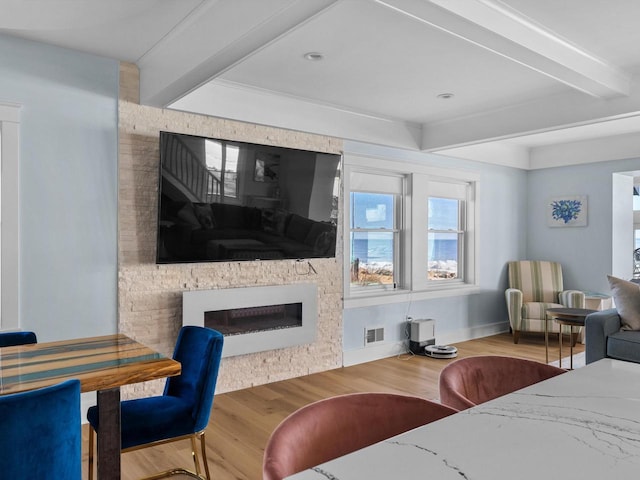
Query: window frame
point(460, 189)
point(397, 234)
point(413, 283)
point(10, 215)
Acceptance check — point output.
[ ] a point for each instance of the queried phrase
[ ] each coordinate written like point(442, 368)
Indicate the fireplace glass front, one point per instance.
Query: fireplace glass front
point(238, 321)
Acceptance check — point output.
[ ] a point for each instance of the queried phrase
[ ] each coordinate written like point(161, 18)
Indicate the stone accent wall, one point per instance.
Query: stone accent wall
point(150, 295)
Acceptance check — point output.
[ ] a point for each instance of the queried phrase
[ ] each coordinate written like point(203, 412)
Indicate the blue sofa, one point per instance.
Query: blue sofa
point(604, 338)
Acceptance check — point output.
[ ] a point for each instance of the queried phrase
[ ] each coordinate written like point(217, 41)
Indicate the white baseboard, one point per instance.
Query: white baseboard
point(374, 352)
point(389, 349)
point(472, 333)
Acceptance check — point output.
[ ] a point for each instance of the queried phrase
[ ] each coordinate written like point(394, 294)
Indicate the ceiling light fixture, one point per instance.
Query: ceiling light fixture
point(314, 56)
point(445, 96)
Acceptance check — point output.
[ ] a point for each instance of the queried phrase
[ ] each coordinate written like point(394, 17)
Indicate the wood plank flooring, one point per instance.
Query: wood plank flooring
point(242, 421)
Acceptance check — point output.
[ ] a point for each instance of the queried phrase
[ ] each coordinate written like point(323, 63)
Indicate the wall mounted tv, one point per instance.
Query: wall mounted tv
point(223, 200)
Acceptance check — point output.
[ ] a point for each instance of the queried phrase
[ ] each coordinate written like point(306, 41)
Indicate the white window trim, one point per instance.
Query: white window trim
point(411, 288)
point(10, 217)
point(398, 190)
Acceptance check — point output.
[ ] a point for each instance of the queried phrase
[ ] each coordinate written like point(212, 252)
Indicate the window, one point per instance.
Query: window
point(444, 238)
point(410, 232)
point(222, 163)
point(446, 225)
point(9, 215)
point(373, 239)
point(375, 221)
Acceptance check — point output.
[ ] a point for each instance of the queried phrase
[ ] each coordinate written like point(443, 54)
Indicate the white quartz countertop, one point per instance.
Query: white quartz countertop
point(584, 424)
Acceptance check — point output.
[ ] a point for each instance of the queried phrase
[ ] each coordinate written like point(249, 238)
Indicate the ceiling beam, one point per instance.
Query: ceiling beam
point(494, 26)
point(213, 39)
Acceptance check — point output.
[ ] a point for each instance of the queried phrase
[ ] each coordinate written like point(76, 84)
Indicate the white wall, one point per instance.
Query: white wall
point(68, 187)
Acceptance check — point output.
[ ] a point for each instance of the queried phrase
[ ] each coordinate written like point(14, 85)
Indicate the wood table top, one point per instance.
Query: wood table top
point(100, 363)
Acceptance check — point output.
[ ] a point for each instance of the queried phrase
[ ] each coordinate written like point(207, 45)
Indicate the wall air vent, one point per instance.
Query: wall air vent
point(373, 335)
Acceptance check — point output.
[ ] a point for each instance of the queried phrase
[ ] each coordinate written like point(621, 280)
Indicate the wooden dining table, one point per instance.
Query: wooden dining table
point(102, 364)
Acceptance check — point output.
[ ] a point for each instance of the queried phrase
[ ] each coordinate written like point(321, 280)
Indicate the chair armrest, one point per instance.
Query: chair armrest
point(514, 307)
point(572, 298)
point(598, 326)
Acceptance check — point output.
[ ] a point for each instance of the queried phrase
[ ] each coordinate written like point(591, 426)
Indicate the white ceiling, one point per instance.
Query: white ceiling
point(530, 78)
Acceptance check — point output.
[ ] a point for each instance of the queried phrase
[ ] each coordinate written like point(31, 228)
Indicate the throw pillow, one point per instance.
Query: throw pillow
point(626, 296)
point(205, 216)
point(187, 215)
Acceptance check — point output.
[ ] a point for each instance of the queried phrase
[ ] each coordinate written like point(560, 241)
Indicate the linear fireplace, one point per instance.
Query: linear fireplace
point(255, 319)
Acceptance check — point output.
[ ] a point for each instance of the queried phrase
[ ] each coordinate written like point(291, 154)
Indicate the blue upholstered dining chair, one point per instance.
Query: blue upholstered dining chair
point(40, 433)
point(9, 339)
point(182, 412)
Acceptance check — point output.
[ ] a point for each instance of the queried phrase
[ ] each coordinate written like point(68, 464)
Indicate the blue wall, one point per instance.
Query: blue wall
point(585, 252)
point(69, 208)
point(513, 225)
point(502, 219)
point(68, 187)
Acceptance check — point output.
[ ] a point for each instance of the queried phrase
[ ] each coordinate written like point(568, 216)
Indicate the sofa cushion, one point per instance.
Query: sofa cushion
point(624, 345)
point(187, 215)
point(298, 228)
point(626, 296)
point(204, 215)
point(316, 230)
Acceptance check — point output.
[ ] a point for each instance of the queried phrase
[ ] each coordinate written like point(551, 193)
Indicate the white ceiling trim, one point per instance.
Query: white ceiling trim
point(239, 102)
point(487, 24)
point(617, 147)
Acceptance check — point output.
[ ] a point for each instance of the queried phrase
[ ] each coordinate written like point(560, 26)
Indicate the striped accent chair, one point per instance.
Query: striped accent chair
point(535, 286)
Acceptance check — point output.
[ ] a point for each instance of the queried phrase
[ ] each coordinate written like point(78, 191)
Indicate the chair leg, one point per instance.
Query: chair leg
point(516, 336)
point(196, 461)
point(194, 454)
point(90, 453)
point(204, 456)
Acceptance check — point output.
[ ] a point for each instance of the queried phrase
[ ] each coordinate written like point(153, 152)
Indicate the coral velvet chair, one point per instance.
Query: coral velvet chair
point(182, 412)
point(40, 433)
point(534, 287)
point(335, 426)
point(9, 339)
point(470, 381)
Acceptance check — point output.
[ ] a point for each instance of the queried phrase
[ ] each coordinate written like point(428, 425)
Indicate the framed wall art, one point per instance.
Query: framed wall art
point(267, 167)
point(567, 211)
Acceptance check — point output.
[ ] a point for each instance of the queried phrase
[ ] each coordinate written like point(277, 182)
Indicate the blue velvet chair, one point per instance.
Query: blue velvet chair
point(9, 339)
point(182, 412)
point(40, 433)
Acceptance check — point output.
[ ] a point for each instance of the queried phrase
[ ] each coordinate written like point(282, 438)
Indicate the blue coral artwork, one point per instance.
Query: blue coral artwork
point(568, 211)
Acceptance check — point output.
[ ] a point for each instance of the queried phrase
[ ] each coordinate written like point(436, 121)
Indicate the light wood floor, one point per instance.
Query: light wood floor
point(242, 421)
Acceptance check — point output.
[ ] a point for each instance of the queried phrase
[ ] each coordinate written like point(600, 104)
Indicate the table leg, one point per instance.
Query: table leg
point(109, 434)
point(546, 338)
point(560, 344)
point(570, 347)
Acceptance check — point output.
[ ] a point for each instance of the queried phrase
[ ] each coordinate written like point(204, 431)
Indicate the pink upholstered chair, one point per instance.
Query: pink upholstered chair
point(470, 381)
point(333, 427)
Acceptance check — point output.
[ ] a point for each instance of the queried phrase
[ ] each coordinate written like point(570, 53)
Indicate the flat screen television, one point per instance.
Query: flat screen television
point(224, 200)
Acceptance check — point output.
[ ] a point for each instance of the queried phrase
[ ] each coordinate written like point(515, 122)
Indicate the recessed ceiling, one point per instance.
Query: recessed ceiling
point(524, 74)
